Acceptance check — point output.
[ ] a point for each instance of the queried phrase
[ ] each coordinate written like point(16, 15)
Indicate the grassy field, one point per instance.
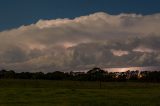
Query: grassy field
point(74, 93)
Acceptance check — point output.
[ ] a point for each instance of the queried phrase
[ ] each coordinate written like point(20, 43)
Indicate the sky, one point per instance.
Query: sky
point(15, 13)
point(67, 35)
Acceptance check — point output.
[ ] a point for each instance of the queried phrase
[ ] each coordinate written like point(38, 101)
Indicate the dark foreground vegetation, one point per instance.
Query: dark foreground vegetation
point(96, 74)
point(14, 92)
point(94, 88)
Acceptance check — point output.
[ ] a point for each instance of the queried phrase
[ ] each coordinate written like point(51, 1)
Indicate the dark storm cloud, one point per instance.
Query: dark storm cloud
point(97, 39)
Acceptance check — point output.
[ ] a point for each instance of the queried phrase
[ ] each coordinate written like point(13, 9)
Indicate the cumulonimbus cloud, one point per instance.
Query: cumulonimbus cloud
point(98, 39)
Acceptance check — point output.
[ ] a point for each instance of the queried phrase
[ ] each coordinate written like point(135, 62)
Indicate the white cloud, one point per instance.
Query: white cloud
point(119, 52)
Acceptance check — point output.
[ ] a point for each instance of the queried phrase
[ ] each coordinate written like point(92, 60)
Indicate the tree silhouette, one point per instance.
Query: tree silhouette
point(98, 74)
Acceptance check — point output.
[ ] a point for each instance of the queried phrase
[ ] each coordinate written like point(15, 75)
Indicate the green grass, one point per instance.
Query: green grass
point(74, 93)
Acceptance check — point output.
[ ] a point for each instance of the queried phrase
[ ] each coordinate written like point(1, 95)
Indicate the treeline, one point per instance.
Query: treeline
point(95, 74)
